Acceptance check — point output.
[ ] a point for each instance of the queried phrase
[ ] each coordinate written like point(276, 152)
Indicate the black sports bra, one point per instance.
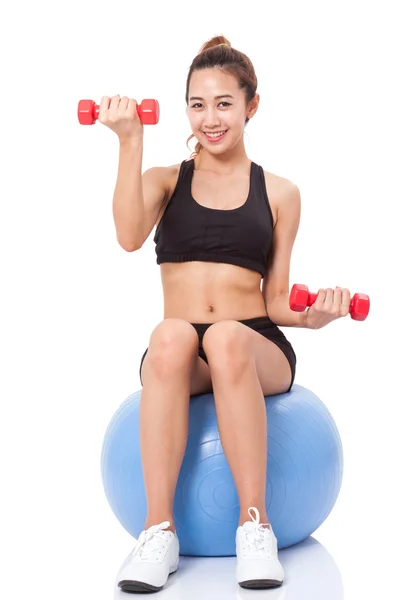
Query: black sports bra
point(190, 231)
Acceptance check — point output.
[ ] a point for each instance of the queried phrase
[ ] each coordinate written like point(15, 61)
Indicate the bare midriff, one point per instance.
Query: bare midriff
point(205, 292)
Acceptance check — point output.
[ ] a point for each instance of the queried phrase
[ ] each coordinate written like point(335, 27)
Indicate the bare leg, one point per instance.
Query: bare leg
point(242, 423)
point(241, 413)
point(164, 414)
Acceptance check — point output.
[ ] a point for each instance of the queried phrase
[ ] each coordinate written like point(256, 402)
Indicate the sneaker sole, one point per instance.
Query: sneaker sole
point(128, 585)
point(260, 583)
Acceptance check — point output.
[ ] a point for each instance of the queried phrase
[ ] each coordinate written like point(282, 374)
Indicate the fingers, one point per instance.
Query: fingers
point(131, 108)
point(116, 106)
point(346, 301)
point(123, 103)
point(320, 301)
point(334, 301)
point(341, 302)
point(107, 105)
point(104, 106)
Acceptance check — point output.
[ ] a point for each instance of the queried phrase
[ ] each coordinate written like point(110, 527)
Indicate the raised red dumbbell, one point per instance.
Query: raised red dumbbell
point(148, 111)
point(300, 298)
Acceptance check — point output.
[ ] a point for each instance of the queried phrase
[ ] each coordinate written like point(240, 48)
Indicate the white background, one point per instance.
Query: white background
point(77, 311)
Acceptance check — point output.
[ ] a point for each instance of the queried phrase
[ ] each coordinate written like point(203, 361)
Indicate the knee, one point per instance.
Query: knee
point(227, 346)
point(173, 346)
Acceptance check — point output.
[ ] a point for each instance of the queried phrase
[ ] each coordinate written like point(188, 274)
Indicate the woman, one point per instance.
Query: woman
point(219, 233)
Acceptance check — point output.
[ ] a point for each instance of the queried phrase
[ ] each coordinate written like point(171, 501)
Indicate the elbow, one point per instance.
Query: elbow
point(129, 246)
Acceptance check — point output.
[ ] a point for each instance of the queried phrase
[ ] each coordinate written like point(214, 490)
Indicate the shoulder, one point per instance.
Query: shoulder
point(279, 186)
point(282, 192)
point(166, 176)
point(168, 172)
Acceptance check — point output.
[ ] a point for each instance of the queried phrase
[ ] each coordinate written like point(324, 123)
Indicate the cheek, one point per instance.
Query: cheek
point(195, 121)
point(236, 127)
point(234, 121)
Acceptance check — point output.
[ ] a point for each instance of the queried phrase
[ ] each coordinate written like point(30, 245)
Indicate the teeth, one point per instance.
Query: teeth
point(215, 135)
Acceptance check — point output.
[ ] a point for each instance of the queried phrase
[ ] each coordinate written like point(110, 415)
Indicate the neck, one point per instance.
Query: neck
point(228, 162)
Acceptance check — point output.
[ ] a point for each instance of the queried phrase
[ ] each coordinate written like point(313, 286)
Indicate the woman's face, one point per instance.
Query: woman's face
point(217, 105)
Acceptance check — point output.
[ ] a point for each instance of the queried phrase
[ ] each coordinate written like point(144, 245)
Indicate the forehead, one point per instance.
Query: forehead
point(208, 82)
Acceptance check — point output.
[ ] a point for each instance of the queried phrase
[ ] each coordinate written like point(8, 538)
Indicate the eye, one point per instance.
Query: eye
point(199, 104)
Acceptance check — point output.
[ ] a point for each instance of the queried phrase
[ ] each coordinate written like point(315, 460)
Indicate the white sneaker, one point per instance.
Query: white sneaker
point(154, 557)
point(257, 564)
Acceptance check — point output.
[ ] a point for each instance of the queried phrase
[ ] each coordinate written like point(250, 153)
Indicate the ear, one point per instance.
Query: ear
point(253, 106)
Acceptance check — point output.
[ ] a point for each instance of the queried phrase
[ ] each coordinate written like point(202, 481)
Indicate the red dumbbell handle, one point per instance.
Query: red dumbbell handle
point(359, 305)
point(311, 298)
point(148, 111)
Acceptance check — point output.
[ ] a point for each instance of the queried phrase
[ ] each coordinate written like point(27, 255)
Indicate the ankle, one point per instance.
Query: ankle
point(264, 520)
point(150, 522)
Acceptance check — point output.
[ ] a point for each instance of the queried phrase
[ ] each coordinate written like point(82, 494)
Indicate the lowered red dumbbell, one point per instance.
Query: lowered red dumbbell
point(148, 111)
point(300, 298)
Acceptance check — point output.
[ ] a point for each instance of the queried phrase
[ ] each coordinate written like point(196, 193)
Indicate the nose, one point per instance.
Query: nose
point(211, 118)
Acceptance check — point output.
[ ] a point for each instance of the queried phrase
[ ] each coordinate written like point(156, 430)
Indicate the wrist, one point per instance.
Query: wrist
point(304, 320)
point(130, 143)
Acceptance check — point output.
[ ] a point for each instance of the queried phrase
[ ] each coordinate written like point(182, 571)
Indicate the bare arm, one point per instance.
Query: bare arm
point(275, 287)
point(137, 198)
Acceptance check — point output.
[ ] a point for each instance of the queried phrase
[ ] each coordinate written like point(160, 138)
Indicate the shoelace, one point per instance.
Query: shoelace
point(257, 537)
point(148, 540)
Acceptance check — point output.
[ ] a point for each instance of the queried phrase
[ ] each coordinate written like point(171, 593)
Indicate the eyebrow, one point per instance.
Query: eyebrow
point(216, 97)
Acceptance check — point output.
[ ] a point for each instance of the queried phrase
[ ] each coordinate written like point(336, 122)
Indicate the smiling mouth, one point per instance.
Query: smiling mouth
point(215, 135)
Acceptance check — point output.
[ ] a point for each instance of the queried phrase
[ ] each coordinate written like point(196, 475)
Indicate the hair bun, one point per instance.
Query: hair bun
point(218, 40)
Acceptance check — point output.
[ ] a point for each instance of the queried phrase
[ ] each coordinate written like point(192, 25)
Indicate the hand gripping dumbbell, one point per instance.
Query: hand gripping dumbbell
point(300, 298)
point(148, 111)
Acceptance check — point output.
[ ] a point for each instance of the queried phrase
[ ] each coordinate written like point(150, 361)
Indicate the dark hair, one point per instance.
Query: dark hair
point(229, 60)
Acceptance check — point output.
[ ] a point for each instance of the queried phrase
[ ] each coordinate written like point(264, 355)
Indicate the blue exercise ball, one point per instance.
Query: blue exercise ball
point(304, 473)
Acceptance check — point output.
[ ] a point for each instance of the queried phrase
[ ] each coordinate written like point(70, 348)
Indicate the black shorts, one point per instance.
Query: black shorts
point(263, 325)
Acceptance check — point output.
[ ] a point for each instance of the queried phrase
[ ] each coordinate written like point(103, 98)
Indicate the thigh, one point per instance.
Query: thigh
point(274, 356)
point(258, 337)
point(275, 372)
point(200, 378)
